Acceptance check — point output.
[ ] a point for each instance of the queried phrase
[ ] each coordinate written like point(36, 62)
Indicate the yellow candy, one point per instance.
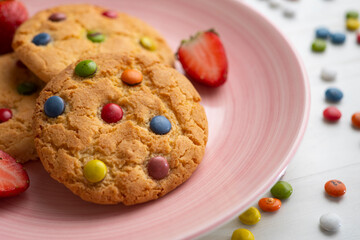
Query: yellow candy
point(148, 43)
point(95, 171)
point(242, 234)
point(250, 216)
point(352, 24)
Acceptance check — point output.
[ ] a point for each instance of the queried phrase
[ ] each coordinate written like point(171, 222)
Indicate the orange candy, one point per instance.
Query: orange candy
point(356, 119)
point(132, 76)
point(335, 188)
point(269, 204)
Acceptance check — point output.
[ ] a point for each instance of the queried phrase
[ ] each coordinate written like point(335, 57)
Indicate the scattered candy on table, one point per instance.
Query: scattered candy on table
point(269, 204)
point(358, 38)
point(5, 115)
point(330, 222)
point(281, 190)
point(322, 33)
point(54, 106)
point(26, 88)
point(147, 43)
point(355, 119)
point(160, 125)
point(242, 234)
point(57, 17)
point(132, 76)
point(332, 114)
point(95, 36)
point(111, 113)
point(319, 45)
point(337, 38)
point(352, 15)
point(335, 188)
point(250, 216)
point(86, 68)
point(158, 167)
point(42, 39)
point(333, 94)
point(95, 171)
point(110, 14)
point(352, 24)
point(328, 74)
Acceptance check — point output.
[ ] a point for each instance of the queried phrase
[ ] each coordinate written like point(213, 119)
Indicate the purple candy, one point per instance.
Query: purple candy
point(57, 17)
point(158, 167)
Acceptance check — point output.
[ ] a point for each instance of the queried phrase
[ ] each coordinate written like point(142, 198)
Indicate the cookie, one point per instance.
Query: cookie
point(129, 131)
point(54, 38)
point(19, 89)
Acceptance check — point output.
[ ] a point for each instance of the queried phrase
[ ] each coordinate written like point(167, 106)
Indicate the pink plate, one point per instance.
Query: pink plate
point(256, 122)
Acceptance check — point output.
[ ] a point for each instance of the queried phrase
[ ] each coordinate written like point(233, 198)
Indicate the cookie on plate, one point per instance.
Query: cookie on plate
point(53, 39)
point(120, 128)
point(19, 89)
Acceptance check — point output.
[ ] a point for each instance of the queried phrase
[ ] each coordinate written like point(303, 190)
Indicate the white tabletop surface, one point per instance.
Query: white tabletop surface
point(328, 151)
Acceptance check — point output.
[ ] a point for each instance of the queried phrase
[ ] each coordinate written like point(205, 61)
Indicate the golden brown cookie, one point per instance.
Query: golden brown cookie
point(19, 89)
point(54, 38)
point(104, 139)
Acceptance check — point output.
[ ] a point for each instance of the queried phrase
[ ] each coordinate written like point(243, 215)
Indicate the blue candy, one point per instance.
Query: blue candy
point(42, 39)
point(160, 125)
point(322, 33)
point(338, 38)
point(333, 95)
point(54, 106)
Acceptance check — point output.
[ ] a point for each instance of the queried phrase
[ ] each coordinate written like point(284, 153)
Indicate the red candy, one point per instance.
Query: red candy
point(358, 38)
point(5, 115)
point(355, 119)
point(110, 14)
point(111, 113)
point(158, 167)
point(332, 114)
point(335, 188)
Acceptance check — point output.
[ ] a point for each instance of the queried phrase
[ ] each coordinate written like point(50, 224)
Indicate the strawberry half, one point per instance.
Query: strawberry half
point(203, 58)
point(13, 178)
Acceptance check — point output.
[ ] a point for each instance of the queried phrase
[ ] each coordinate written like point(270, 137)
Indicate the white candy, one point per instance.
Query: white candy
point(274, 3)
point(328, 74)
point(288, 12)
point(330, 222)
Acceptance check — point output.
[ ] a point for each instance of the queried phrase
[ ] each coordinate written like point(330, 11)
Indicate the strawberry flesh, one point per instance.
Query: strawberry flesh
point(204, 59)
point(13, 178)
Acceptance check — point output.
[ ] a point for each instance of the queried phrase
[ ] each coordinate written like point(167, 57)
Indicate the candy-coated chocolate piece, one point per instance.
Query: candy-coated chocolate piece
point(330, 222)
point(57, 17)
point(95, 36)
point(355, 119)
point(332, 114)
point(148, 43)
point(95, 171)
point(110, 14)
point(328, 74)
point(322, 33)
point(358, 38)
point(352, 14)
point(250, 216)
point(5, 114)
point(281, 190)
point(242, 234)
point(111, 113)
point(338, 38)
point(333, 94)
point(42, 39)
point(335, 188)
point(158, 167)
point(54, 106)
point(86, 68)
point(269, 204)
point(352, 24)
point(132, 76)
point(26, 88)
point(160, 125)
point(318, 45)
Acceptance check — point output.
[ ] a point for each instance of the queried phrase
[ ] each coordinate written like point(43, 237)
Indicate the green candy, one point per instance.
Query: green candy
point(318, 45)
point(86, 68)
point(95, 36)
point(352, 14)
point(281, 190)
point(27, 88)
point(147, 43)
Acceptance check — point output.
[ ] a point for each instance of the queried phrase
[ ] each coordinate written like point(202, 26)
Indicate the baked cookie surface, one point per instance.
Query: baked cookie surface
point(108, 156)
point(53, 39)
point(19, 89)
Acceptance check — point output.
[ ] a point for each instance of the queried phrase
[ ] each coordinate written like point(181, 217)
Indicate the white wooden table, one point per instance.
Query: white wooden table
point(328, 151)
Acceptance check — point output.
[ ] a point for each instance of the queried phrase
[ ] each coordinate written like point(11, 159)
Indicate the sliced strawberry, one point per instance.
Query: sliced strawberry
point(13, 178)
point(203, 58)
